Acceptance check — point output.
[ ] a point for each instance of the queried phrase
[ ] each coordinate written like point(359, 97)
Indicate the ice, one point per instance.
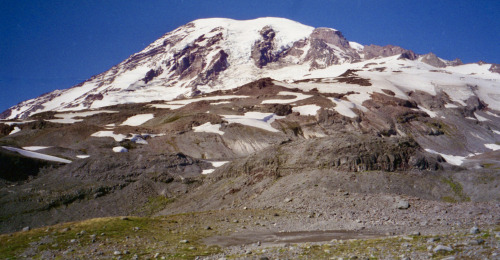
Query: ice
point(117, 137)
point(451, 159)
point(254, 119)
point(307, 110)
point(36, 155)
point(15, 130)
point(120, 149)
point(138, 120)
point(298, 97)
point(493, 147)
point(35, 148)
point(209, 128)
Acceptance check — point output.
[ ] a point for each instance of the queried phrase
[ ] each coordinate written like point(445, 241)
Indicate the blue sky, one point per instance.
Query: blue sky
point(48, 45)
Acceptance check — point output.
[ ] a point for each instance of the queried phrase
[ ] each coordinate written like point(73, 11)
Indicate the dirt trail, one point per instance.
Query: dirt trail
point(273, 238)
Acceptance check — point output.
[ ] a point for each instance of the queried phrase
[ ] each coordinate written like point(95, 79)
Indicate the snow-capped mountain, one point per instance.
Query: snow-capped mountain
point(214, 54)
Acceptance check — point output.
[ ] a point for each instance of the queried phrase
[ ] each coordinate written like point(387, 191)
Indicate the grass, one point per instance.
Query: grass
point(457, 189)
point(138, 235)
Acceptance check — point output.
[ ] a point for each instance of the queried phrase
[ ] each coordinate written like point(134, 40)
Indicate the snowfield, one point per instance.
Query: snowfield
point(209, 128)
point(36, 155)
point(307, 110)
point(69, 118)
point(254, 119)
point(451, 159)
point(117, 137)
point(138, 120)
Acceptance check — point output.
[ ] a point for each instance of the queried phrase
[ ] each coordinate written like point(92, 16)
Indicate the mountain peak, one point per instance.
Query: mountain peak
point(212, 54)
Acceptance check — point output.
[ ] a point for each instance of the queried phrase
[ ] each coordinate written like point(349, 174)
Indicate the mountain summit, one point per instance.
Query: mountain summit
point(215, 54)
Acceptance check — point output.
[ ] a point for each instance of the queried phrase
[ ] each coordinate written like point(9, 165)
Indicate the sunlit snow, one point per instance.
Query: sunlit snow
point(451, 159)
point(69, 118)
point(298, 96)
point(254, 119)
point(117, 137)
point(35, 148)
point(307, 110)
point(138, 120)
point(36, 155)
point(493, 147)
point(15, 130)
point(120, 149)
point(209, 128)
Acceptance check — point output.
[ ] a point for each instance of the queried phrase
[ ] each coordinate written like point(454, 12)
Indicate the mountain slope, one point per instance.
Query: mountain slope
point(212, 54)
point(221, 114)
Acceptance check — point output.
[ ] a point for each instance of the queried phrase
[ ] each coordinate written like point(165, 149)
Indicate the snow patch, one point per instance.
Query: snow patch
point(36, 155)
point(307, 110)
point(451, 159)
point(480, 118)
point(35, 148)
point(117, 137)
point(83, 156)
point(69, 118)
point(298, 97)
point(120, 149)
point(493, 147)
point(138, 120)
point(254, 119)
point(209, 128)
point(429, 112)
point(344, 107)
point(15, 130)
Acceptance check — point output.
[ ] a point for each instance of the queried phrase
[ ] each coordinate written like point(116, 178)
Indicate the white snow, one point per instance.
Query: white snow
point(176, 104)
point(83, 156)
point(492, 114)
point(298, 97)
point(493, 147)
point(215, 164)
point(451, 159)
point(218, 163)
point(356, 46)
point(68, 118)
point(344, 107)
point(15, 130)
point(120, 149)
point(209, 128)
point(480, 118)
point(36, 155)
point(429, 112)
point(138, 119)
point(307, 110)
point(449, 105)
point(207, 171)
point(117, 137)
point(254, 119)
point(138, 139)
point(35, 148)
point(496, 132)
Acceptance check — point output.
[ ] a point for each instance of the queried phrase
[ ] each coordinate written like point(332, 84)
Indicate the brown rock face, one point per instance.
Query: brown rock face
point(330, 36)
point(433, 60)
point(495, 68)
point(262, 51)
point(374, 51)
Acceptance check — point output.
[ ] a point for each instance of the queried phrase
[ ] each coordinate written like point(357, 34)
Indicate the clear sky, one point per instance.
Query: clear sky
point(47, 45)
